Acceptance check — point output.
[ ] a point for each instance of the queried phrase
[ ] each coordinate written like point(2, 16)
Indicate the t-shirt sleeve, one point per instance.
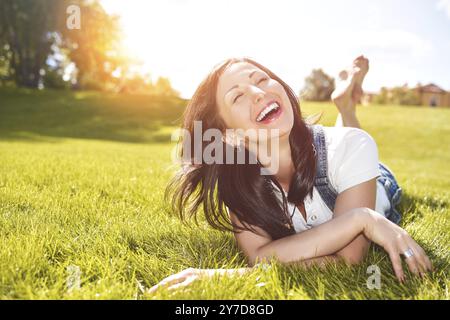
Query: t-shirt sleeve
point(355, 159)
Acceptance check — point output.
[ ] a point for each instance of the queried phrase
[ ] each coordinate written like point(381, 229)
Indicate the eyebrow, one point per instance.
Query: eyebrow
point(235, 86)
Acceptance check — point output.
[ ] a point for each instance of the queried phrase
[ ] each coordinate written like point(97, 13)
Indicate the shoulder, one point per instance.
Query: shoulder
point(342, 138)
point(352, 156)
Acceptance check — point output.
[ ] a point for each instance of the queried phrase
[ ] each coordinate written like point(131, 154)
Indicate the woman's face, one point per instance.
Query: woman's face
point(248, 98)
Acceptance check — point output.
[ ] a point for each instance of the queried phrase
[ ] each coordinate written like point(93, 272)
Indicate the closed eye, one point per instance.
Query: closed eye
point(238, 96)
point(259, 81)
point(263, 79)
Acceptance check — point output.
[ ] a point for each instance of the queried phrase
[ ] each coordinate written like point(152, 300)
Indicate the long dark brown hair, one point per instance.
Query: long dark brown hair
point(239, 187)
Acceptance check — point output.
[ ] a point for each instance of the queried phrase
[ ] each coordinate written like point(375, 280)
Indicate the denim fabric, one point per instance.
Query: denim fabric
point(322, 183)
point(393, 191)
point(329, 194)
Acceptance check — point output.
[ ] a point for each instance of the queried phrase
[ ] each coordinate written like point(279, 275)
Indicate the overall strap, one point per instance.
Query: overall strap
point(322, 182)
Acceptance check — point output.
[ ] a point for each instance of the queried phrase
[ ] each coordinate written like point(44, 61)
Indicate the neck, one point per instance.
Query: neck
point(279, 160)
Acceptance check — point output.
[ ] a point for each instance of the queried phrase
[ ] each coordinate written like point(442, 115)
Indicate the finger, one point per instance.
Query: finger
point(411, 261)
point(420, 257)
point(173, 279)
point(154, 288)
point(168, 281)
point(397, 265)
point(188, 281)
point(429, 263)
point(425, 260)
point(413, 265)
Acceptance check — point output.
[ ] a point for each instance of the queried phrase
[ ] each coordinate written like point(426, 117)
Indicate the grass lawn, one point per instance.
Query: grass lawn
point(81, 182)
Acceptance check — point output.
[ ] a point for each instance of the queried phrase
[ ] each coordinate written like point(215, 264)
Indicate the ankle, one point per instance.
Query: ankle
point(348, 114)
point(350, 120)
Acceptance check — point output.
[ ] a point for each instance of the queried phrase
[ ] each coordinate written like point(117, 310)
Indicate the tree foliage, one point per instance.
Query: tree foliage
point(402, 95)
point(95, 48)
point(25, 38)
point(37, 46)
point(318, 86)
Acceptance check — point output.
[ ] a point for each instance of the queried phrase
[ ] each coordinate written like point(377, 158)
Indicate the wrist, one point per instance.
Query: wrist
point(363, 218)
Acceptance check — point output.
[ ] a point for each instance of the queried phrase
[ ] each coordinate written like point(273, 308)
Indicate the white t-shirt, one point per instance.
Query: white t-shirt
point(352, 159)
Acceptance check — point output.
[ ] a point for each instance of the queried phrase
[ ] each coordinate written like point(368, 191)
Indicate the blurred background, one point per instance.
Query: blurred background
point(167, 47)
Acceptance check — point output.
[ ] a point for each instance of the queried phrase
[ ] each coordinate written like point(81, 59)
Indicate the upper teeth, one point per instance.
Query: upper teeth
point(266, 110)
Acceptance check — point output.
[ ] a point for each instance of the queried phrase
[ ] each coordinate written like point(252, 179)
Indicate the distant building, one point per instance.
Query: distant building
point(433, 96)
point(428, 95)
point(367, 98)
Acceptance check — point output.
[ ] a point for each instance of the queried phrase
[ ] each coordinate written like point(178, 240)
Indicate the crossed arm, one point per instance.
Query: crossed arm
point(343, 237)
point(338, 240)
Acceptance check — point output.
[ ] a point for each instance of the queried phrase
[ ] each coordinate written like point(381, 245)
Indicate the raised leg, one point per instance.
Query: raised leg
point(349, 91)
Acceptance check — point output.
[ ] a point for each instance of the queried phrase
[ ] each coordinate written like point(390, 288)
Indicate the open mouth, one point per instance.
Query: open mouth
point(270, 113)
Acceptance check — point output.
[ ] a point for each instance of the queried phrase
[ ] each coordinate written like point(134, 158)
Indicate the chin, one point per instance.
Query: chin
point(285, 126)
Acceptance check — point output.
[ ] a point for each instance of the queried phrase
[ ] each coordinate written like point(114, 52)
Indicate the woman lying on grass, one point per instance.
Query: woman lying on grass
point(329, 196)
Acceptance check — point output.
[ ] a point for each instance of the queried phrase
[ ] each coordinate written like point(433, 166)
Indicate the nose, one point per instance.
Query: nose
point(257, 94)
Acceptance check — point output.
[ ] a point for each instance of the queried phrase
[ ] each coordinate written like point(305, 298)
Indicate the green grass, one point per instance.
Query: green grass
point(81, 182)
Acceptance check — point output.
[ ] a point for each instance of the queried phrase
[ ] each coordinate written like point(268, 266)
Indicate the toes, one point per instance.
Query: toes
point(343, 75)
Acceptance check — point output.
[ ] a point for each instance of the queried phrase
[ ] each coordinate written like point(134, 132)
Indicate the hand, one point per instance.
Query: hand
point(189, 275)
point(396, 241)
point(180, 279)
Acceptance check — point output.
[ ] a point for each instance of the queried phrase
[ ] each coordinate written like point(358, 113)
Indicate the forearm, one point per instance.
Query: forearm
point(320, 261)
point(320, 241)
point(361, 195)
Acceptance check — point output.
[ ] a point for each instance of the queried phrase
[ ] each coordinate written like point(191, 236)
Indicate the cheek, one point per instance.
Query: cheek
point(237, 117)
point(279, 90)
point(241, 116)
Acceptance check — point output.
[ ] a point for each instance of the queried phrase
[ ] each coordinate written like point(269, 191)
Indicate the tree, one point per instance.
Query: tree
point(164, 87)
point(318, 86)
point(5, 64)
point(382, 97)
point(96, 47)
point(29, 30)
point(39, 43)
point(25, 37)
point(400, 95)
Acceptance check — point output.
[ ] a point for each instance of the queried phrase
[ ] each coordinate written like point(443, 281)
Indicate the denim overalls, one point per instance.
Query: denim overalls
point(329, 194)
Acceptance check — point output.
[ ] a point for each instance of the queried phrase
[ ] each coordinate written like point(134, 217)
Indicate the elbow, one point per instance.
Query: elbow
point(352, 260)
point(353, 257)
point(256, 257)
point(253, 260)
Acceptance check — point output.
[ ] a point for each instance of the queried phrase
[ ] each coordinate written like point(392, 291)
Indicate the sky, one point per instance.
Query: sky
point(406, 41)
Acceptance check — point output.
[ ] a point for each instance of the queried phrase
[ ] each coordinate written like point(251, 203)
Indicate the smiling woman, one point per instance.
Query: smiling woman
point(217, 110)
point(329, 196)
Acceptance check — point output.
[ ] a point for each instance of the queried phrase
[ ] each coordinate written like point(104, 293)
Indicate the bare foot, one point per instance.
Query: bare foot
point(342, 94)
point(361, 67)
point(348, 90)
